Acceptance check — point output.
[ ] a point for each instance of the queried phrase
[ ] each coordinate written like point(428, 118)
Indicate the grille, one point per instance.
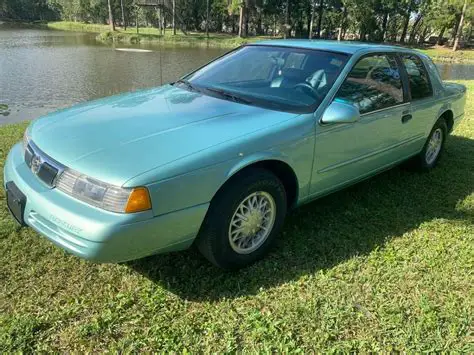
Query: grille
point(44, 167)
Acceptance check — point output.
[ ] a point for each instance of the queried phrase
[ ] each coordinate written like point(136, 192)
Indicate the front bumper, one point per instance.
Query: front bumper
point(95, 234)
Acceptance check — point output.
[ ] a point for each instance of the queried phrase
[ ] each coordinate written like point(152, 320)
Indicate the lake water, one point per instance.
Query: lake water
point(41, 71)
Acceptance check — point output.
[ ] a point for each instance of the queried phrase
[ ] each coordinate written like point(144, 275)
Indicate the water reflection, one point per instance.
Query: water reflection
point(41, 71)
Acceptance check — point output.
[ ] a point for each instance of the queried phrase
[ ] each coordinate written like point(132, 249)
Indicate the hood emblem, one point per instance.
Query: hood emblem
point(36, 163)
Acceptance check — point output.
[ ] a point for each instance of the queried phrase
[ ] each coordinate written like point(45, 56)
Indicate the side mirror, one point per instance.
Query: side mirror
point(338, 112)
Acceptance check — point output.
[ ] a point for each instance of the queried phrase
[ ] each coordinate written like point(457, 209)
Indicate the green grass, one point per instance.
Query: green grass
point(152, 35)
point(148, 34)
point(384, 265)
point(77, 26)
point(442, 54)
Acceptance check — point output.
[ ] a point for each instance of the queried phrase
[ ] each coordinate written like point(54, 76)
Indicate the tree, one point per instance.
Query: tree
point(311, 21)
point(320, 18)
point(207, 18)
point(406, 21)
point(174, 17)
point(460, 26)
point(411, 21)
point(124, 24)
point(241, 19)
point(111, 16)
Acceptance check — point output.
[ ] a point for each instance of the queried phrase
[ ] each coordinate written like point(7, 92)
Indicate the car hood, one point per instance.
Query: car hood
point(117, 138)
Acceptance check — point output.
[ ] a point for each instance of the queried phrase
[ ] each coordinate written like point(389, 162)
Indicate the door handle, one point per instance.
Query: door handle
point(406, 118)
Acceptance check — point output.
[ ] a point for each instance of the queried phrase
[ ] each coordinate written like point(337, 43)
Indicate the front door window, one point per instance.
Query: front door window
point(373, 84)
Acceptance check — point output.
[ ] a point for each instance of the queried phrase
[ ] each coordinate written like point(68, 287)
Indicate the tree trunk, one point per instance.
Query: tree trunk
point(136, 20)
point(174, 17)
point(362, 33)
point(384, 26)
point(274, 26)
point(320, 18)
point(439, 41)
point(392, 28)
point(124, 24)
point(418, 18)
point(424, 33)
point(461, 23)
point(308, 17)
point(111, 16)
point(207, 18)
point(310, 35)
point(158, 12)
point(246, 17)
point(340, 34)
point(241, 20)
point(287, 25)
point(405, 24)
point(260, 29)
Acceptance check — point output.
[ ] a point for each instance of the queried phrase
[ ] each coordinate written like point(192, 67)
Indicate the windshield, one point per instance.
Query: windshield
point(280, 78)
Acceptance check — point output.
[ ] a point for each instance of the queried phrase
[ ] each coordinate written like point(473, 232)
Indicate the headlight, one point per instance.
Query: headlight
point(102, 195)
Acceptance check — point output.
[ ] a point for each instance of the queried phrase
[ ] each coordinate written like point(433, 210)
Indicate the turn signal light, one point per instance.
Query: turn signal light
point(138, 201)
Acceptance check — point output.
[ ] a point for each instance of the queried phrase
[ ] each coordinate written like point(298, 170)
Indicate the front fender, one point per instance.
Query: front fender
point(200, 186)
point(258, 158)
point(292, 145)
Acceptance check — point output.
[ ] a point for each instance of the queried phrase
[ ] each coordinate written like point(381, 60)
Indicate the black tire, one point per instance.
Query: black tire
point(213, 240)
point(421, 162)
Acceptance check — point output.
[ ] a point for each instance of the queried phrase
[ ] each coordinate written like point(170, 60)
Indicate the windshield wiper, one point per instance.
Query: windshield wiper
point(230, 96)
point(187, 84)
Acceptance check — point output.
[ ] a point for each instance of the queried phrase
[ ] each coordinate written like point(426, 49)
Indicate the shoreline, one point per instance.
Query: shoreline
point(148, 35)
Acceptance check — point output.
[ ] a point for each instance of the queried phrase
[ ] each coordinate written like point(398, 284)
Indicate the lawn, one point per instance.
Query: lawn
point(385, 265)
point(443, 54)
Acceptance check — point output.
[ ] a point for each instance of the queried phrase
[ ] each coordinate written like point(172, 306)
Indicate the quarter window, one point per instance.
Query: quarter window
point(420, 86)
point(373, 84)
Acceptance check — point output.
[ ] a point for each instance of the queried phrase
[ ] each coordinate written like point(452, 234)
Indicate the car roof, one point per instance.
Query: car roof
point(348, 47)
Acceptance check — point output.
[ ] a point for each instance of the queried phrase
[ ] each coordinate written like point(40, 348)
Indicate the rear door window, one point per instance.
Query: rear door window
point(420, 85)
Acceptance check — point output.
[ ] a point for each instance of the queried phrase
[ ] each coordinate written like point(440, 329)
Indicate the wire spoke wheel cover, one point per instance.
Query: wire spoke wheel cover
point(434, 146)
point(252, 222)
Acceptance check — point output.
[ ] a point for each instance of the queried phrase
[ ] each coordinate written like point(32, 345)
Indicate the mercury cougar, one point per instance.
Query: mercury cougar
point(217, 158)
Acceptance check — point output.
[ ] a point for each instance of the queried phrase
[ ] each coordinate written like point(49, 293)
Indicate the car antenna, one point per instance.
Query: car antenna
point(161, 64)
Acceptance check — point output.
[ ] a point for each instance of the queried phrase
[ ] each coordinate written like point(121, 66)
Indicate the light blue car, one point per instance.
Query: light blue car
point(219, 157)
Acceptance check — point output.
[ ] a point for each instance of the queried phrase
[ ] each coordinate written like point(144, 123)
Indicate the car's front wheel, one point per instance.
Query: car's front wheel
point(243, 219)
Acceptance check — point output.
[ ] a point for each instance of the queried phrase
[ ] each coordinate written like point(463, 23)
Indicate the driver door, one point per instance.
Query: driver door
point(345, 153)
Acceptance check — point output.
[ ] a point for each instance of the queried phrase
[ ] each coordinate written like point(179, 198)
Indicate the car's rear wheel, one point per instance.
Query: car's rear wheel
point(243, 219)
point(433, 148)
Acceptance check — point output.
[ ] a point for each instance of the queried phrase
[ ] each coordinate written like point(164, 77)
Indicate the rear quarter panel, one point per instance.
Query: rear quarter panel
point(455, 96)
point(448, 96)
